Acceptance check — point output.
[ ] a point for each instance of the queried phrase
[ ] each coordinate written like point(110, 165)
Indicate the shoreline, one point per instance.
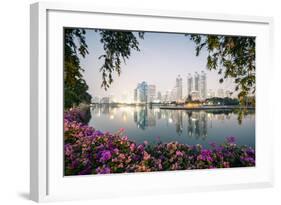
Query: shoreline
point(180, 107)
point(205, 108)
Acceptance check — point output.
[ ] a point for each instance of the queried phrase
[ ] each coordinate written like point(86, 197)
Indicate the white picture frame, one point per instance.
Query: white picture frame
point(47, 182)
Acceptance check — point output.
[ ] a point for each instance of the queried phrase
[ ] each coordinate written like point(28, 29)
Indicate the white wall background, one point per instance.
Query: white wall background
point(14, 101)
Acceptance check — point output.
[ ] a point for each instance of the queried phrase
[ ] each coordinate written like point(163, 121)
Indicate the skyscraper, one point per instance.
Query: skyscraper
point(203, 85)
point(141, 93)
point(173, 94)
point(196, 81)
point(159, 96)
point(179, 88)
point(167, 96)
point(136, 95)
point(151, 93)
point(199, 91)
point(189, 84)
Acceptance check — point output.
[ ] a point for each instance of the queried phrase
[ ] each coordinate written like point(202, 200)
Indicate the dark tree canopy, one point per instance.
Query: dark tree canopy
point(223, 101)
point(233, 57)
point(75, 87)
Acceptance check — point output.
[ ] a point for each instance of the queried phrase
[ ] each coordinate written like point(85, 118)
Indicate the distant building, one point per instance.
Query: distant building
point(178, 88)
point(166, 96)
point(189, 84)
point(196, 82)
point(203, 86)
point(151, 93)
point(141, 93)
point(136, 95)
point(159, 96)
point(173, 94)
point(197, 85)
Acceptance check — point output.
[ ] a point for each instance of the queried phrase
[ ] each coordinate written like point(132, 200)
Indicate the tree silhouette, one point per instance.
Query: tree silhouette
point(233, 57)
point(75, 87)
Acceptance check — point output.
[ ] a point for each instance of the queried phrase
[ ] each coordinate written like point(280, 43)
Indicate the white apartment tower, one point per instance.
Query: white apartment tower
point(189, 84)
point(203, 85)
point(151, 93)
point(179, 88)
point(196, 82)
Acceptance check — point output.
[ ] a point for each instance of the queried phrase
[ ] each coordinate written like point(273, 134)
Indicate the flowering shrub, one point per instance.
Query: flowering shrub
point(73, 114)
point(89, 151)
point(78, 114)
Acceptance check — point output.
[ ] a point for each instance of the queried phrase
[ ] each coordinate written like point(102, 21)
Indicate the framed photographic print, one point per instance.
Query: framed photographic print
point(127, 102)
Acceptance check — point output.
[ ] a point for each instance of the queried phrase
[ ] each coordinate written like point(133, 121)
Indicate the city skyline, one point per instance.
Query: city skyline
point(146, 92)
point(162, 57)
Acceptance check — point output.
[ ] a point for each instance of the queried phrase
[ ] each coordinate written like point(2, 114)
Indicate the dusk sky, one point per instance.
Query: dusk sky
point(162, 57)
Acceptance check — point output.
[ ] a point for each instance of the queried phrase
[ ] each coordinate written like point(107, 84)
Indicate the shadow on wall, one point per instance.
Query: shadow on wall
point(24, 195)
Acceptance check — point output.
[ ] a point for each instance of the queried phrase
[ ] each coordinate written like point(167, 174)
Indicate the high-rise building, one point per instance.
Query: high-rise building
point(136, 95)
point(178, 88)
point(159, 96)
point(196, 81)
point(173, 94)
point(141, 93)
point(151, 93)
point(197, 86)
point(166, 97)
point(203, 85)
point(189, 84)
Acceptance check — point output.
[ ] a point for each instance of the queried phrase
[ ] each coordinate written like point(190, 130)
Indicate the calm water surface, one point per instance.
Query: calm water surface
point(189, 127)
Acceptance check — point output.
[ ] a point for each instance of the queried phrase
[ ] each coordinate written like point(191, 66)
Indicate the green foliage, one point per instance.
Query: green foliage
point(233, 57)
point(223, 101)
point(75, 87)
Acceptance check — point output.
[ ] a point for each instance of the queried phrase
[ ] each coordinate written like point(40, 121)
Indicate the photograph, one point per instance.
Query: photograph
point(146, 101)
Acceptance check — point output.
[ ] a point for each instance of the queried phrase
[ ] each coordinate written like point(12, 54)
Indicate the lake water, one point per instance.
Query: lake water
point(189, 127)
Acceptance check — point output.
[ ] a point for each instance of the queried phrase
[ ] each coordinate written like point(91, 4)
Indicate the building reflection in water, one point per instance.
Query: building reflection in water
point(145, 117)
point(197, 122)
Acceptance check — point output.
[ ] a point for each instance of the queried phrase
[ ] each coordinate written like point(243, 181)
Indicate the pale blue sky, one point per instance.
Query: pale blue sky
point(162, 57)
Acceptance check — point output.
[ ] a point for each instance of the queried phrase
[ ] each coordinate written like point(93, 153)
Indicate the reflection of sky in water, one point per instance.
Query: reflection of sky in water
point(189, 127)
